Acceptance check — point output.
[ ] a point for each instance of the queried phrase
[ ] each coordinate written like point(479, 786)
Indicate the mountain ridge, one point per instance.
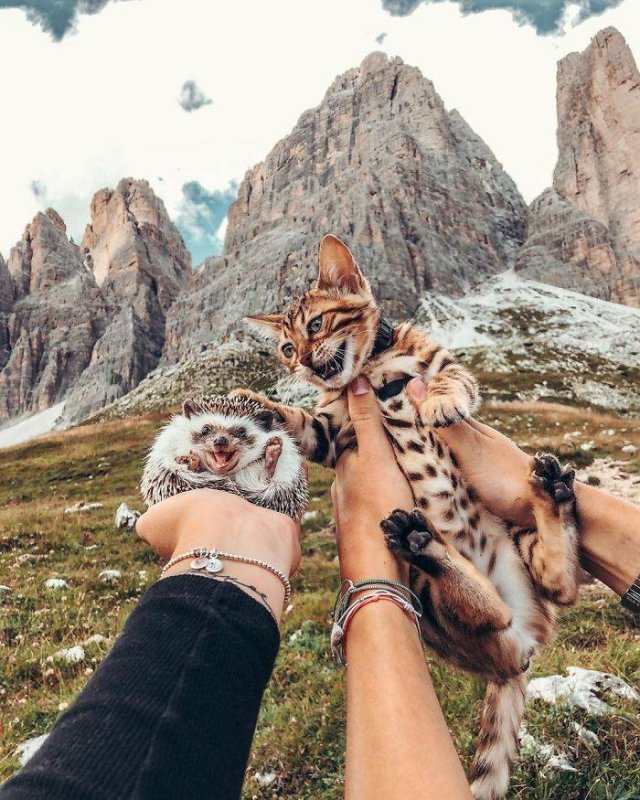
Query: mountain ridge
point(380, 161)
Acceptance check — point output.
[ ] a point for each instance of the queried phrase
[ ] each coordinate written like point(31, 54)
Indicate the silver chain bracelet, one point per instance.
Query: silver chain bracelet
point(210, 560)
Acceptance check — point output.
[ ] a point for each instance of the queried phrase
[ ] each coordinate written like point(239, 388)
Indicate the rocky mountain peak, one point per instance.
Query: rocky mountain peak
point(598, 167)
point(418, 196)
point(586, 233)
point(45, 256)
point(64, 334)
point(131, 240)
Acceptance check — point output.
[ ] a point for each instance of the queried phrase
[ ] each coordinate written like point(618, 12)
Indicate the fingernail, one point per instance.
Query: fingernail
point(360, 385)
point(417, 389)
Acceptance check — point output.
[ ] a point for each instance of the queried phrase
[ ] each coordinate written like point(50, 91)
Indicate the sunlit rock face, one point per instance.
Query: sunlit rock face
point(414, 191)
point(589, 226)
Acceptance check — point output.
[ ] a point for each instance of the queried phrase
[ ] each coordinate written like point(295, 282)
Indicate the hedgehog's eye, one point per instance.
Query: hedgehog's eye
point(315, 324)
point(206, 430)
point(240, 433)
point(288, 350)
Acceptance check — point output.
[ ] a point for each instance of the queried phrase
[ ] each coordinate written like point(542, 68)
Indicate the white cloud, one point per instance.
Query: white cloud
point(101, 104)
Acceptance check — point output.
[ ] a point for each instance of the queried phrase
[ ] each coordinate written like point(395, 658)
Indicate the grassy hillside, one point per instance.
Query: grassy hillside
point(301, 733)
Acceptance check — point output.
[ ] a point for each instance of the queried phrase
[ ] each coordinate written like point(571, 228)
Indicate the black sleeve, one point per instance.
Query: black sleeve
point(171, 711)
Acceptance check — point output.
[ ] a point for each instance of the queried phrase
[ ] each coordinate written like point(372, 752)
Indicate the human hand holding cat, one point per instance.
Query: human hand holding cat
point(367, 487)
point(493, 465)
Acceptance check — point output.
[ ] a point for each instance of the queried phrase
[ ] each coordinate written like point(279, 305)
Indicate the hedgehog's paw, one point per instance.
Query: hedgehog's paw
point(192, 462)
point(272, 453)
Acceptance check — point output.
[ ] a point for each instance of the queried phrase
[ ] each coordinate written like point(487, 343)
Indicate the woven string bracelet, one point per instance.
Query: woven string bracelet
point(211, 561)
point(376, 589)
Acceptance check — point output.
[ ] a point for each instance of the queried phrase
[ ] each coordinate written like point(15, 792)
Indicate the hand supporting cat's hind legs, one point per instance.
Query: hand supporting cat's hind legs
point(551, 551)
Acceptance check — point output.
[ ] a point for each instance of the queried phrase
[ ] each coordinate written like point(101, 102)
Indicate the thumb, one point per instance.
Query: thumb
point(365, 415)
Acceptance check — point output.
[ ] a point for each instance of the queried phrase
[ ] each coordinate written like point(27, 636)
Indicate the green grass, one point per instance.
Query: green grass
point(301, 729)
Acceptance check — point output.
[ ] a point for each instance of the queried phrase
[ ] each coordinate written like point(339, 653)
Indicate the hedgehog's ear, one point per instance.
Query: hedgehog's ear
point(267, 325)
point(189, 408)
point(338, 268)
point(265, 419)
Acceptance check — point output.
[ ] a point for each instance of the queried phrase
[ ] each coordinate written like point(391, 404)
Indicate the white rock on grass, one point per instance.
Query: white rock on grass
point(4, 589)
point(97, 638)
point(81, 506)
point(125, 517)
point(71, 655)
point(28, 749)
point(55, 583)
point(110, 575)
point(581, 688)
point(585, 735)
point(309, 515)
point(265, 778)
point(544, 753)
point(629, 448)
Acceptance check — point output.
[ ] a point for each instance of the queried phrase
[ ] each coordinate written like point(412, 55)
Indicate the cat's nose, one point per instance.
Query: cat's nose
point(305, 359)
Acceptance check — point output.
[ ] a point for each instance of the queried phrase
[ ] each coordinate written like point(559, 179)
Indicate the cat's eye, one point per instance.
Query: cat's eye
point(315, 324)
point(288, 350)
point(206, 430)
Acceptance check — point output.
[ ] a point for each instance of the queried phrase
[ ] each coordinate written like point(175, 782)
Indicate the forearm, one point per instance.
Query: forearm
point(398, 744)
point(609, 537)
point(172, 710)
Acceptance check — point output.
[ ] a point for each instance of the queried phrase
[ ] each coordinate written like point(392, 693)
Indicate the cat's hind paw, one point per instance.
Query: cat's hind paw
point(549, 476)
point(407, 532)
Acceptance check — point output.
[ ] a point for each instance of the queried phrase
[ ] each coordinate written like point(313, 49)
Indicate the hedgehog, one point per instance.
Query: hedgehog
point(233, 444)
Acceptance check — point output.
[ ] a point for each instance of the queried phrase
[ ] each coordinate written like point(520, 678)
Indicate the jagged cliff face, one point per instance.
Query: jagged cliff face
point(585, 234)
point(67, 331)
point(419, 197)
point(53, 314)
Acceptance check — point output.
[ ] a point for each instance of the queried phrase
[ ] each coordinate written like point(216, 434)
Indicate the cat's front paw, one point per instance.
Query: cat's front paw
point(440, 411)
point(251, 395)
point(548, 476)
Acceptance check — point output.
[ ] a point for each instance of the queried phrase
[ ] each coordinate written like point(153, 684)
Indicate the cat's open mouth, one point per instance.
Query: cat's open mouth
point(333, 366)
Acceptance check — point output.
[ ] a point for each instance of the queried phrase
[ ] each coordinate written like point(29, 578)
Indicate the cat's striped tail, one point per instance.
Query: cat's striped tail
point(498, 741)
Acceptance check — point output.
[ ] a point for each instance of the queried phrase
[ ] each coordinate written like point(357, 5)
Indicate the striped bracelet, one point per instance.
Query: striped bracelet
point(379, 589)
point(210, 561)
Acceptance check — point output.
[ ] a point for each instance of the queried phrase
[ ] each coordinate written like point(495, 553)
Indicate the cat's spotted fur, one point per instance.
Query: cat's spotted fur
point(488, 591)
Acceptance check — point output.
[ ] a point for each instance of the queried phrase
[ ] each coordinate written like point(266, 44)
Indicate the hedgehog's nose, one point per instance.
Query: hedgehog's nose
point(221, 441)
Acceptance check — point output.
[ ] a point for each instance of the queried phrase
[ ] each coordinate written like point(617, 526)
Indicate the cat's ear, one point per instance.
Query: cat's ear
point(267, 325)
point(338, 268)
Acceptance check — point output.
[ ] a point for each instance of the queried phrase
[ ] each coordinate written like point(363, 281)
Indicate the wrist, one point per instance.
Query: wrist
point(249, 576)
point(362, 558)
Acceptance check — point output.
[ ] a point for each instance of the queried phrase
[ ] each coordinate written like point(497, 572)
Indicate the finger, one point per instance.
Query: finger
point(365, 416)
point(417, 391)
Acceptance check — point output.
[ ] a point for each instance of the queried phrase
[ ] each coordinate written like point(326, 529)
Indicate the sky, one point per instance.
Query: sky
point(191, 93)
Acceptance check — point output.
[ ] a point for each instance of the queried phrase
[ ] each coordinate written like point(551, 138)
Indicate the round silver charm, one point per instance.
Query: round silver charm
point(200, 563)
point(214, 565)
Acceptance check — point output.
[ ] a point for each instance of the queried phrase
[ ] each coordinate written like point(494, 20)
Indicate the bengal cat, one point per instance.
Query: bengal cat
point(488, 590)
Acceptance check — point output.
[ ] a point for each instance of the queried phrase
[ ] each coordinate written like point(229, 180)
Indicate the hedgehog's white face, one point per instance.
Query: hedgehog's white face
point(225, 443)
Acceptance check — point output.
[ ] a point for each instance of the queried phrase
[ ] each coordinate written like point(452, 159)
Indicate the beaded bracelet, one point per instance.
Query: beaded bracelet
point(210, 560)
